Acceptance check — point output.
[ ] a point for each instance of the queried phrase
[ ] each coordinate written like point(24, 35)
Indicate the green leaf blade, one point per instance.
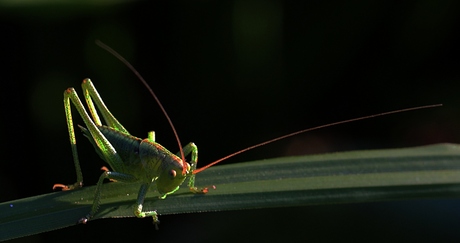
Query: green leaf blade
point(346, 177)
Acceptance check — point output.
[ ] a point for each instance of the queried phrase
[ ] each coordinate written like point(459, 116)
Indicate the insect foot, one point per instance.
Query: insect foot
point(82, 220)
point(156, 222)
point(200, 190)
point(138, 212)
point(68, 187)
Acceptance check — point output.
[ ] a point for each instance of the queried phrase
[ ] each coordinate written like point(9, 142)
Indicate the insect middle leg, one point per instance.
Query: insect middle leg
point(121, 177)
point(111, 175)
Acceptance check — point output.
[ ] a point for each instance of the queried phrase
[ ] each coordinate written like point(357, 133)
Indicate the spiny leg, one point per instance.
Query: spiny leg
point(111, 175)
point(114, 176)
point(140, 204)
point(192, 149)
point(103, 144)
point(91, 93)
point(73, 142)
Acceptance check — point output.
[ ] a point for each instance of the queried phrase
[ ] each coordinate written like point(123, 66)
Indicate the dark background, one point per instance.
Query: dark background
point(232, 74)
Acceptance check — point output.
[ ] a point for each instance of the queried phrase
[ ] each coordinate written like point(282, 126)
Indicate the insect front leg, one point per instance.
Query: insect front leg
point(192, 149)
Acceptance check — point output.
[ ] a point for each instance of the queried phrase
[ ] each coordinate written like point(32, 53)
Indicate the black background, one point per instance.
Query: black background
point(232, 74)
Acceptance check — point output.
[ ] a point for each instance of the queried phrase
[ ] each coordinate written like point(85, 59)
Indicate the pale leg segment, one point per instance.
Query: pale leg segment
point(140, 204)
point(106, 148)
point(192, 149)
point(111, 175)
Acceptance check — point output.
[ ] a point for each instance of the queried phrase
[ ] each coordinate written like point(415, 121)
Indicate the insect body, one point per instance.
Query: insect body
point(132, 159)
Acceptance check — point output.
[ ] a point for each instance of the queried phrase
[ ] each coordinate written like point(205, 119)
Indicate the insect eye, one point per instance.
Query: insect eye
point(172, 173)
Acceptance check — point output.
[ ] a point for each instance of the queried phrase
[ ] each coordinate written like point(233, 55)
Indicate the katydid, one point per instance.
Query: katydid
point(139, 160)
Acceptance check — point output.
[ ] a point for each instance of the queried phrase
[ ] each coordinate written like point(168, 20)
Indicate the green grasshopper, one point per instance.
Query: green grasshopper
point(139, 160)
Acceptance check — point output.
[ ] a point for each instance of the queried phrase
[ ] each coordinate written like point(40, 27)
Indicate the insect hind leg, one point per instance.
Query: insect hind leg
point(107, 150)
point(91, 95)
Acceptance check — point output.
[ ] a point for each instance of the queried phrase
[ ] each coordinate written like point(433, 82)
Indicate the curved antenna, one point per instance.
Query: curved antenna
point(310, 129)
point(139, 76)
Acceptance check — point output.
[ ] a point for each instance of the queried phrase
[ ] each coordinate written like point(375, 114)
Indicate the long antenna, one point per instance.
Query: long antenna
point(138, 75)
point(310, 129)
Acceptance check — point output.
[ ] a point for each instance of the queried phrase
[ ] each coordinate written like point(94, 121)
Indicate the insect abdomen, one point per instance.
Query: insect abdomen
point(127, 146)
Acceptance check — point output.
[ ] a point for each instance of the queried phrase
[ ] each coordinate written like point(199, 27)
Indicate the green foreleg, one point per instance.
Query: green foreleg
point(192, 149)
